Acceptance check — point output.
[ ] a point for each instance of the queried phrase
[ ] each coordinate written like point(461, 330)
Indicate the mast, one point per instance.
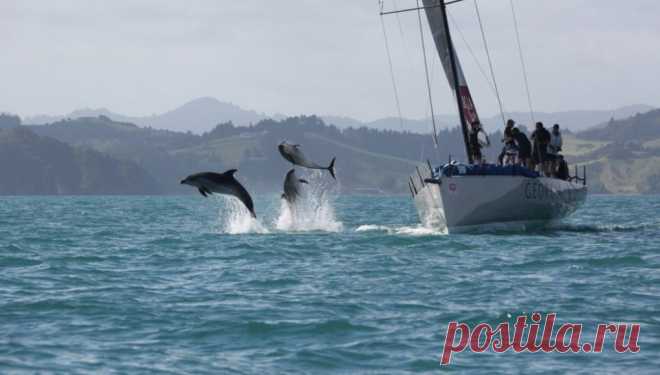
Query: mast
point(436, 13)
point(456, 82)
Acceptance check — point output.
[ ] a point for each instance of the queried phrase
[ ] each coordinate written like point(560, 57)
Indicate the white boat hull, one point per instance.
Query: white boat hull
point(466, 203)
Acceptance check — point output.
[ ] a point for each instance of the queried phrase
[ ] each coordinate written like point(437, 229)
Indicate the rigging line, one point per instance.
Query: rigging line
point(428, 82)
point(490, 61)
point(398, 18)
point(474, 56)
point(522, 62)
point(394, 85)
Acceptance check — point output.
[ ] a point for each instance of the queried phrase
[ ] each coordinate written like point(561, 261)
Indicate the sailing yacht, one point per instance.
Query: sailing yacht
point(463, 197)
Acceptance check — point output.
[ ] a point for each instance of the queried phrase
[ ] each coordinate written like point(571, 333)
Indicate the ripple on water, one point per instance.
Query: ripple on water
point(158, 284)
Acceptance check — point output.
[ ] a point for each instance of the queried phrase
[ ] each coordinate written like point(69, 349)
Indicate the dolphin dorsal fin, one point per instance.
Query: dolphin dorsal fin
point(231, 172)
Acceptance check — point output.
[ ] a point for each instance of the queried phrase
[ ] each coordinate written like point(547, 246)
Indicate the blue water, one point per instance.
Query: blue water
point(158, 285)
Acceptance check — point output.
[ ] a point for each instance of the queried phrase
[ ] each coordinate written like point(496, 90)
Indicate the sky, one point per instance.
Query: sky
point(141, 57)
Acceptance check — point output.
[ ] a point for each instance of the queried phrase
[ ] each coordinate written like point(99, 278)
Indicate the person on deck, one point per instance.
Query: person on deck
point(475, 145)
point(541, 139)
point(507, 140)
point(524, 147)
point(554, 147)
point(562, 169)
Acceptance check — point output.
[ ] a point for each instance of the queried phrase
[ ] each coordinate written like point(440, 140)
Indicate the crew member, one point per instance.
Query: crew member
point(554, 147)
point(562, 169)
point(475, 145)
point(507, 140)
point(541, 138)
point(524, 147)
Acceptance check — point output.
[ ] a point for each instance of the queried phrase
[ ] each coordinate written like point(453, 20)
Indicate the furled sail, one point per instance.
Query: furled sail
point(437, 17)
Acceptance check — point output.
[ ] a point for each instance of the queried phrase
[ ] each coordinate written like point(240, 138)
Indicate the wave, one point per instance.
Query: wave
point(589, 228)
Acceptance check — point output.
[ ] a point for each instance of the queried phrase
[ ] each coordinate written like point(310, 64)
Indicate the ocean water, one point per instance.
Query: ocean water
point(344, 284)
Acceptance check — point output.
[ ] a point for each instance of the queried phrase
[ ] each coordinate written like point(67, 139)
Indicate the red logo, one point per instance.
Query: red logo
point(469, 111)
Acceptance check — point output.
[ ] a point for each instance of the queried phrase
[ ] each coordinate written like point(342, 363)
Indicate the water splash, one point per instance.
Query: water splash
point(313, 210)
point(416, 231)
point(236, 219)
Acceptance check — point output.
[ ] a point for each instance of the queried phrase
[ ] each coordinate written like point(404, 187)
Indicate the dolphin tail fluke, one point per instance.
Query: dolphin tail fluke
point(331, 168)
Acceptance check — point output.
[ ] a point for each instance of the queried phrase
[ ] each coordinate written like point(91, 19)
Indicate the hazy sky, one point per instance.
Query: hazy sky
point(140, 57)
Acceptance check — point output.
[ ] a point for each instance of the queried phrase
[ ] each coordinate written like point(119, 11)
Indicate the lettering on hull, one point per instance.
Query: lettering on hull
point(536, 191)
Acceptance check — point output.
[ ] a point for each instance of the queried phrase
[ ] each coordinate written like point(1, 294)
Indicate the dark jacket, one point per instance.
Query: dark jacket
point(541, 137)
point(562, 170)
point(523, 143)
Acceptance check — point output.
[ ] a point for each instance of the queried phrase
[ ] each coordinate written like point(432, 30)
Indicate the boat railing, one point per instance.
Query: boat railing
point(425, 174)
point(576, 177)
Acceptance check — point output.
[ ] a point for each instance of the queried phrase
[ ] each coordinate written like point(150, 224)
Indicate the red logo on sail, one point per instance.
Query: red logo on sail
point(469, 111)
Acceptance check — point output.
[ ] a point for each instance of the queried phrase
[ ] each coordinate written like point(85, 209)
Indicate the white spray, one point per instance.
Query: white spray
point(312, 210)
point(236, 219)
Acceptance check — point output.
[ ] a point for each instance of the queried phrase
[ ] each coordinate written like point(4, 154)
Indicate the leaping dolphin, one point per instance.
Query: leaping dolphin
point(292, 186)
point(293, 154)
point(225, 183)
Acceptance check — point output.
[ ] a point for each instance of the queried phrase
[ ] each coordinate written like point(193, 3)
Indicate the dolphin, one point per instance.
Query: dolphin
point(293, 154)
point(292, 186)
point(225, 183)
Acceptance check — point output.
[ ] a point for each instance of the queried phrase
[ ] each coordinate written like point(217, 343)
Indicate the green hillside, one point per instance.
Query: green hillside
point(367, 160)
point(575, 147)
point(31, 164)
point(621, 157)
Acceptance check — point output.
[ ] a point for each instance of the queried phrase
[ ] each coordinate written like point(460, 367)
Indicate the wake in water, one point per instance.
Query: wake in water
point(586, 228)
point(313, 210)
point(419, 230)
point(236, 219)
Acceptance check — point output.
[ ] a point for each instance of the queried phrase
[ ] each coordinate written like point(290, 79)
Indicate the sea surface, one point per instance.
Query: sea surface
point(346, 284)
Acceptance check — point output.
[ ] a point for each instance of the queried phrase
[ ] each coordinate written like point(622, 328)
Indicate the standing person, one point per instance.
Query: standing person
point(541, 138)
point(475, 144)
point(562, 169)
point(524, 147)
point(475, 147)
point(507, 140)
point(554, 147)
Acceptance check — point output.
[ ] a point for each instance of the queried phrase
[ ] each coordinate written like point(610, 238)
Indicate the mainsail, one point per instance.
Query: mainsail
point(436, 13)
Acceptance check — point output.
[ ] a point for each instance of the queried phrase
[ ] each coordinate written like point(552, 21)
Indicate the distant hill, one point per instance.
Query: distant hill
point(572, 120)
point(31, 164)
point(419, 126)
point(366, 158)
point(622, 156)
point(152, 149)
point(203, 114)
point(8, 121)
point(640, 127)
point(197, 116)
